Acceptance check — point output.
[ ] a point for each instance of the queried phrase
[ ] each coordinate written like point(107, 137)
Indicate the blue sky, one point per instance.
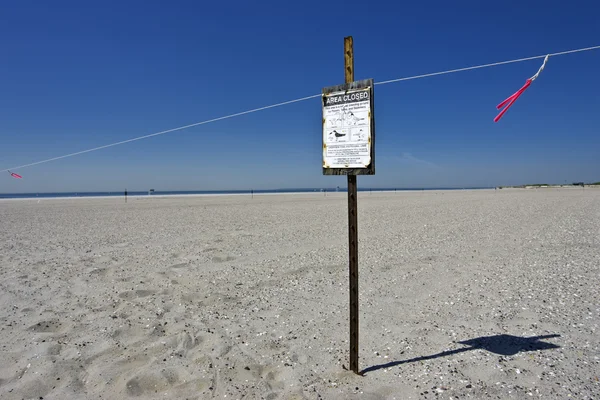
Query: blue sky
point(76, 75)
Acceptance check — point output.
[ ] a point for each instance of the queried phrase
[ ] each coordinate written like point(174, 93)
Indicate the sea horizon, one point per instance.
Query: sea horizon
point(214, 192)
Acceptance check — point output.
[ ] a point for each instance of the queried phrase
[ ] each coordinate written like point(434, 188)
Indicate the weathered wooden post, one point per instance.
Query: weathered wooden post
point(349, 149)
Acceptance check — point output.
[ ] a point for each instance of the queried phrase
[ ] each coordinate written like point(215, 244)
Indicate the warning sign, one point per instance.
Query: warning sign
point(347, 136)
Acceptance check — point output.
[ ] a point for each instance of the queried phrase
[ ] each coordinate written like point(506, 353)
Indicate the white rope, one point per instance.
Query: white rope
point(163, 132)
point(533, 78)
point(302, 99)
point(451, 71)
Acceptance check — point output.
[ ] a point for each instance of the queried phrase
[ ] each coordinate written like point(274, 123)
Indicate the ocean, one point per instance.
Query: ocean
point(209, 192)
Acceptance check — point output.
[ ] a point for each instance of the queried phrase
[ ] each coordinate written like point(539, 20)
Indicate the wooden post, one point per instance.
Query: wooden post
point(352, 227)
point(354, 156)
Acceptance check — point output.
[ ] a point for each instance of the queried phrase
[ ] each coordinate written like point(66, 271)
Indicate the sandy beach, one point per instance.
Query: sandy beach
point(463, 294)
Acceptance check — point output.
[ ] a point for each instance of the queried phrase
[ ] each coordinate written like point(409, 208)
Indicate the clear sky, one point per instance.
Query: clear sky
point(76, 75)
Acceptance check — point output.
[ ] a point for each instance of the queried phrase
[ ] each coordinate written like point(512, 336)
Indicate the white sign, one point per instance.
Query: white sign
point(347, 129)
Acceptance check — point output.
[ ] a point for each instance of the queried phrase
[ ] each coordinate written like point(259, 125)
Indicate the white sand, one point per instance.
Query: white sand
point(201, 297)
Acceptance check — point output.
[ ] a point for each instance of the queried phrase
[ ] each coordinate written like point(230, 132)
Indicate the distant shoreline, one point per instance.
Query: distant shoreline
point(542, 186)
point(146, 195)
point(250, 192)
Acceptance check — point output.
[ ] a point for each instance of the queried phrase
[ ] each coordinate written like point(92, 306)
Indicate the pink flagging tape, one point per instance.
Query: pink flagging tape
point(511, 99)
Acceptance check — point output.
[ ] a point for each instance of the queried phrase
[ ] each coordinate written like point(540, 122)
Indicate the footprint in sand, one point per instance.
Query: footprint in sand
point(136, 294)
point(102, 272)
point(269, 374)
point(153, 382)
point(183, 343)
point(54, 350)
point(218, 259)
point(50, 326)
